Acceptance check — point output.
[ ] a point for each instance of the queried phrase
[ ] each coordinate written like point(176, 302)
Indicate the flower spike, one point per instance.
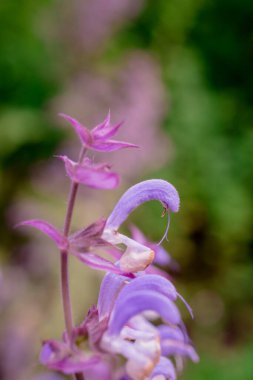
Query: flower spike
point(136, 326)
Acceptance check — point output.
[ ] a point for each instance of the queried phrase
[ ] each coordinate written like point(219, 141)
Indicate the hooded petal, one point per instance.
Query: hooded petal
point(155, 189)
point(48, 229)
point(95, 176)
point(127, 307)
point(152, 283)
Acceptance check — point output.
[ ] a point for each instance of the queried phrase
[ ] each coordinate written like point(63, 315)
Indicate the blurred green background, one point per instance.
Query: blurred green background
point(179, 73)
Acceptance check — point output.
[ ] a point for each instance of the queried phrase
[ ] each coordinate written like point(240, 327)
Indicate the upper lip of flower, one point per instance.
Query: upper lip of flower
point(152, 189)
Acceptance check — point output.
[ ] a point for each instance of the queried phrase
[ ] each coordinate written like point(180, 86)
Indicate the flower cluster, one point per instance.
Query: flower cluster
point(135, 331)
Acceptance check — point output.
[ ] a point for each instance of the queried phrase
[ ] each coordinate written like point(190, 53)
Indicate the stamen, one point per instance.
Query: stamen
point(167, 227)
point(186, 304)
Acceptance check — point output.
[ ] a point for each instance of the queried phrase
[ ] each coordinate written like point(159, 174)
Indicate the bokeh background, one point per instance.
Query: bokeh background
point(179, 73)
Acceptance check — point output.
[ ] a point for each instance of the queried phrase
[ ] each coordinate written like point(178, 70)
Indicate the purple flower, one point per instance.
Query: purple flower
point(99, 137)
point(153, 189)
point(136, 257)
point(121, 325)
point(136, 326)
point(130, 332)
point(97, 176)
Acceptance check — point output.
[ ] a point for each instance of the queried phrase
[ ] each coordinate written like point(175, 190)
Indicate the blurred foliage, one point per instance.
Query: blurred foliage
point(26, 66)
point(205, 49)
point(27, 83)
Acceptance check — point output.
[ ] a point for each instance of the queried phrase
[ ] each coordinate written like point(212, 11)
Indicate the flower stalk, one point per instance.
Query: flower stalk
point(65, 289)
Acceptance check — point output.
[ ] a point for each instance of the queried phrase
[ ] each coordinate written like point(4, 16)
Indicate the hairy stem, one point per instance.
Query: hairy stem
point(67, 308)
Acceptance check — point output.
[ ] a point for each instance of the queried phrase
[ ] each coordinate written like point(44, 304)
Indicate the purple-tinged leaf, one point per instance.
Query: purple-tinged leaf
point(111, 145)
point(97, 138)
point(164, 368)
point(82, 132)
point(59, 356)
point(145, 300)
point(48, 229)
point(94, 326)
point(91, 175)
point(155, 189)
